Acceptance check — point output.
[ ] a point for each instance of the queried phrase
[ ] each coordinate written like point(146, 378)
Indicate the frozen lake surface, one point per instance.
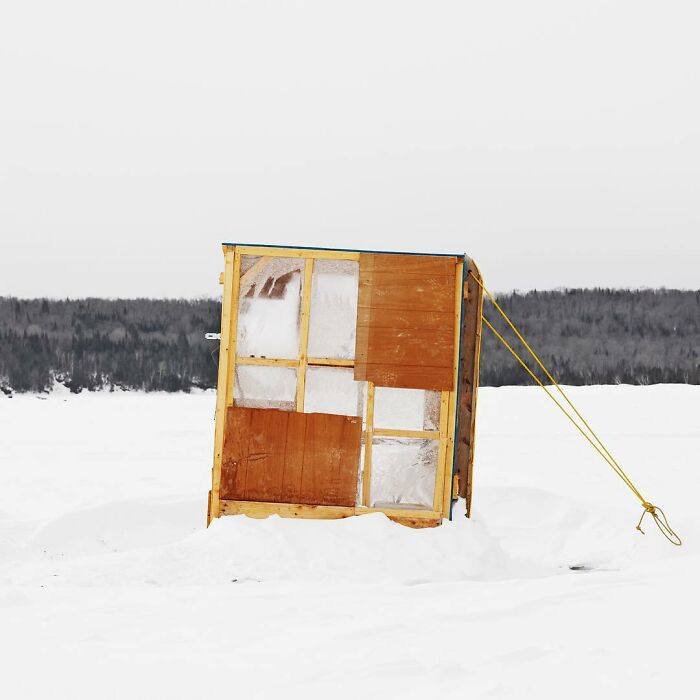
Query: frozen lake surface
point(111, 587)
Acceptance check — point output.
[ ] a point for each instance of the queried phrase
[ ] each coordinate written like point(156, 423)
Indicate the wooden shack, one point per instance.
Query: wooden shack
point(347, 384)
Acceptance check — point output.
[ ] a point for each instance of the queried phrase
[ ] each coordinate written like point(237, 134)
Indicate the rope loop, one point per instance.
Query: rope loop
point(661, 521)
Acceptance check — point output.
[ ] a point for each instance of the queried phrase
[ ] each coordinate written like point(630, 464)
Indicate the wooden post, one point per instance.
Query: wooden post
point(369, 434)
point(452, 420)
point(266, 361)
point(468, 380)
point(442, 450)
point(233, 328)
point(298, 253)
point(227, 351)
point(304, 332)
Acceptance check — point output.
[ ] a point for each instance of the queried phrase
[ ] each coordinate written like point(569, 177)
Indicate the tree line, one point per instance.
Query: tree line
point(148, 344)
point(598, 336)
point(584, 336)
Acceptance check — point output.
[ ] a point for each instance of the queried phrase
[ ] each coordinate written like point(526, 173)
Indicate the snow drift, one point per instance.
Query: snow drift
point(110, 581)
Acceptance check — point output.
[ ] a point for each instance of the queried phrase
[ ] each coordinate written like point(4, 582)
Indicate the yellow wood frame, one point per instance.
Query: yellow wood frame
point(228, 359)
point(368, 437)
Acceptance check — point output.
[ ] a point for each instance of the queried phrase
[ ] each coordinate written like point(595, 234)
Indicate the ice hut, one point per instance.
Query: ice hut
point(347, 384)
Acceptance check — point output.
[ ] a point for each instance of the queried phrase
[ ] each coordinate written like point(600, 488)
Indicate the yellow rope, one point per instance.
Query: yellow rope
point(657, 513)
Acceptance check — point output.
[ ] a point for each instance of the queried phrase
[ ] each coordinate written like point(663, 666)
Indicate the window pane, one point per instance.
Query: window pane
point(406, 409)
point(333, 390)
point(333, 315)
point(265, 387)
point(269, 307)
point(403, 473)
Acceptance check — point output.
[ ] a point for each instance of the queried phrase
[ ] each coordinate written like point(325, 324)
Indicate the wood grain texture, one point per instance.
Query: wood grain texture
point(405, 321)
point(227, 354)
point(317, 254)
point(369, 432)
point(287, 457)
point(255, 509)
point(468, 382)
point(304, 332)
point(452, 418)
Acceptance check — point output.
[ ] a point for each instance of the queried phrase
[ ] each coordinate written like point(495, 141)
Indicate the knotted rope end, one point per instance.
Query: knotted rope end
point(661, 522)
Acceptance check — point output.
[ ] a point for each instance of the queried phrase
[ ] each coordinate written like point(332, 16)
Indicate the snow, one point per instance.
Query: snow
point(111, 587)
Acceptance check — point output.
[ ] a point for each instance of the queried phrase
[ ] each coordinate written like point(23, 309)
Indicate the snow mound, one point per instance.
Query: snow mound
point(116, 527)
point(106, 564)
point(165, 544)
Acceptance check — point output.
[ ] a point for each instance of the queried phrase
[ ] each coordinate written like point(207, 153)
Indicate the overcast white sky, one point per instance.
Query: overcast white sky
point(557, 143)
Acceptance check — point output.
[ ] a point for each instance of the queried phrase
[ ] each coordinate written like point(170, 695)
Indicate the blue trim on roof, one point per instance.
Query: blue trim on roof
point(347, 250)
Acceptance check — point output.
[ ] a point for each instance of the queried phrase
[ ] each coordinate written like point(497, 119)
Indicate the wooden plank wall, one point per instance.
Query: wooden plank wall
point(405, 321)
point(468, 381)
point(289, 457)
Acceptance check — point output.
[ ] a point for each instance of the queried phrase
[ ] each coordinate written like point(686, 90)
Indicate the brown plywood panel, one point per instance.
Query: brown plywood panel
point(434, 347)
point(400, 291)
point(405, 321)
point(233, 462)
point(419, 376)
point(294, 458)
point(265, 457)
point(284, 457)
point(321, 463)
point(410, 319)
point(411, 264)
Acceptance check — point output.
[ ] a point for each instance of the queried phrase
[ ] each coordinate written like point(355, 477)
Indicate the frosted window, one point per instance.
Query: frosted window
point(333, 390)
point(333, 315)
point(406, 409)
point(247, 261)
point(265, 387)
point(403, 473)
point(269, 307)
